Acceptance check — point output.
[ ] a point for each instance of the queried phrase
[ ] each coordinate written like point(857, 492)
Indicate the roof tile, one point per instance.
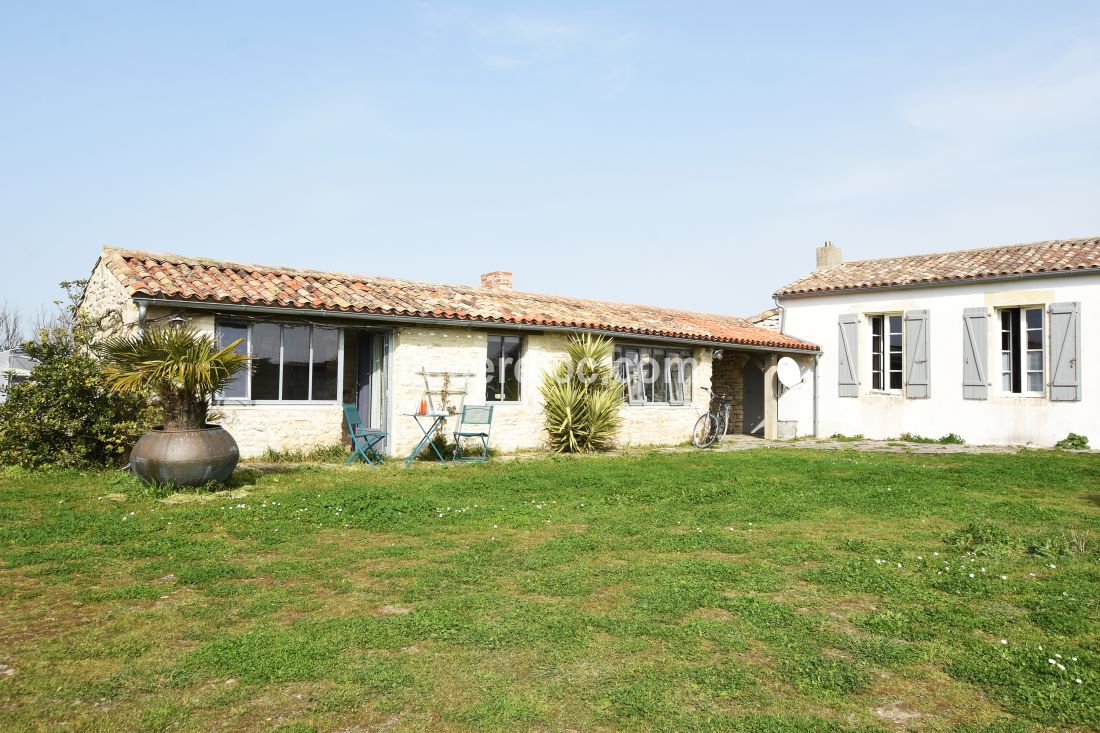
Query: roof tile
point(172, 277)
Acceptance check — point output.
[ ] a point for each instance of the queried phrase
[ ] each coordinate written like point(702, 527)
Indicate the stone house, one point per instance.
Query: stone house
point(991, 344)
point(321, 339)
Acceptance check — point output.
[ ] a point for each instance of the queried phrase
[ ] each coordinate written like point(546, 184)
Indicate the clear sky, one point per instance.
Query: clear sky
point(687, 154)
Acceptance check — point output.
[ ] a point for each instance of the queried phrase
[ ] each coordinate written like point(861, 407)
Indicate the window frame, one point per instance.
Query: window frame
point(221, 399)
point(623, 371)
point(519, 377)
point(885, 351)
point(1018, 351)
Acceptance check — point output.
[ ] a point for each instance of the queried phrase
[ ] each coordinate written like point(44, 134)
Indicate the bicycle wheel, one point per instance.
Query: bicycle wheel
point(706, 431)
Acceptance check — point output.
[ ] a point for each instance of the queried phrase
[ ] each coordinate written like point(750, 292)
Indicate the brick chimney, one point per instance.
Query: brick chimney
point(498, 280)
point(828, 257)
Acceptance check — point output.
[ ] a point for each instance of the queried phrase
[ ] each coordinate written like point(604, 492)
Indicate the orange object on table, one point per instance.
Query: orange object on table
point(423, 406)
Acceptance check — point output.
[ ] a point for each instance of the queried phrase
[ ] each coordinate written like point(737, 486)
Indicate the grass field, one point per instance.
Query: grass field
point(751, 591)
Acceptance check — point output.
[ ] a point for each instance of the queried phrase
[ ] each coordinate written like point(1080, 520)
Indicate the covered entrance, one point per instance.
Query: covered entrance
point(748, 381)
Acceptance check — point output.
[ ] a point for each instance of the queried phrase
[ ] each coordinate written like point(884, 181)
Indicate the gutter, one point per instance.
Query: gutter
point(420, 320)
point(936, 283)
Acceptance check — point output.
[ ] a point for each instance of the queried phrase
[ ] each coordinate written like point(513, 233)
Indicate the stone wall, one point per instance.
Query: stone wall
point(729, 380)
point(108, 303)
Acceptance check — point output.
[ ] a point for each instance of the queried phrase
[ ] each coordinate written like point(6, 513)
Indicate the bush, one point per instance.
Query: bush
point(581, 400)
point(66, 415)
point(1073, 441)
point(949, 439)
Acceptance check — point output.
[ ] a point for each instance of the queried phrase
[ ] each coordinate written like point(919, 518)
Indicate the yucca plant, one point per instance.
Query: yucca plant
point(581, 400)
point(182, 367)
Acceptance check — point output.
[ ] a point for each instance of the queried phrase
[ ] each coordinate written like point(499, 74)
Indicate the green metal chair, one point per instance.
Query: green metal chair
point(363, 439)
point(476, 421)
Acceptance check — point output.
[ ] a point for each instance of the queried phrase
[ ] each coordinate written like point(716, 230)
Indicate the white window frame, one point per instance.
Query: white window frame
point(886, 352)
point(247, 400)
point(1021, 346)
point(686, 386)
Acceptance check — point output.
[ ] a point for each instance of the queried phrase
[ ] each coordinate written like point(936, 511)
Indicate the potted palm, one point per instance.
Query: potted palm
point(183, 370)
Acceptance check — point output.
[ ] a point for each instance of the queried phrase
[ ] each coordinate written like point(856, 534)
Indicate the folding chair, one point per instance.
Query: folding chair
point(363, 439)
point(473, 418)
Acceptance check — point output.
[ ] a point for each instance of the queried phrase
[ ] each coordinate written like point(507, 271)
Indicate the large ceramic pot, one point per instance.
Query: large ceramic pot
point(185, 457)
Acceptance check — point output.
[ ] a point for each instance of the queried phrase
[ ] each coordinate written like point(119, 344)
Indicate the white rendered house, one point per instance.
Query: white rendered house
point(998, 345)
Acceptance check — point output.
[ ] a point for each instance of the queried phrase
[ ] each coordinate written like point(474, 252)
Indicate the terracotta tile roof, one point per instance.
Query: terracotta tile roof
point(1060, 256)
point(171, 277)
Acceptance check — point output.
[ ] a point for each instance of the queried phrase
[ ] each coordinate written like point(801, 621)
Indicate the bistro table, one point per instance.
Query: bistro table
point(432, 420)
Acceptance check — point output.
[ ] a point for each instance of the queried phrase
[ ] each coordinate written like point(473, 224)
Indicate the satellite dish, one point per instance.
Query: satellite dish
point(789, 373)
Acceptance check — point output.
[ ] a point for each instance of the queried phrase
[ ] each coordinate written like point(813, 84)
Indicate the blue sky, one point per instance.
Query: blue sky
point(681, 154)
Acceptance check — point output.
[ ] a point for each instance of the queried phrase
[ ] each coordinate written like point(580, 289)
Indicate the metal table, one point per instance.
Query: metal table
point(432, 420)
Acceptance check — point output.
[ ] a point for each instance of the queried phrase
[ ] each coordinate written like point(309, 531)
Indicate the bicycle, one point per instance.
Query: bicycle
point(706, 427)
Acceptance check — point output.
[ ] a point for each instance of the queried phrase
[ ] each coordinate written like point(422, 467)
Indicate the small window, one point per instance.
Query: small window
point(502, 378)
point(1022, 354)
point(886, 353)
point(654, 375)
point(290, 362)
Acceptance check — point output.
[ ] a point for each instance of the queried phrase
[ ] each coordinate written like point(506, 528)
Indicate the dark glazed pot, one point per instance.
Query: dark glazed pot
point(185, 457)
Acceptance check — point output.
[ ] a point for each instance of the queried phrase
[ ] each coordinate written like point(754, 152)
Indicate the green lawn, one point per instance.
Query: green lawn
point(754, 591)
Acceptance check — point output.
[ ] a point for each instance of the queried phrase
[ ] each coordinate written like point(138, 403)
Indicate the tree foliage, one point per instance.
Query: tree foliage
point(65, 415)
point(581, 399)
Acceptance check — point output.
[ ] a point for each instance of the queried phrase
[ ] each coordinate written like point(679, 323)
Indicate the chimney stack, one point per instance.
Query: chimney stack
point(828, 257)
point(498, 280)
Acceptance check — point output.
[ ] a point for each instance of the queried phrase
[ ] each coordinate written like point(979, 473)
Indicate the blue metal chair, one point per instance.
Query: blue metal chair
point(476, 421)
point(363, 439)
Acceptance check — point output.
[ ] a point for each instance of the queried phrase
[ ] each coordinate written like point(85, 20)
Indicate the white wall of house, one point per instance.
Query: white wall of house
point(1000, 419)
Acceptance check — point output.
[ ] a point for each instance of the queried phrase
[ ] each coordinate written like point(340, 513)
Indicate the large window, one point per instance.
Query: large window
point(502, 380)
point(654, 376)
point(290, 362)
point(1022, 351)
point(886, 353)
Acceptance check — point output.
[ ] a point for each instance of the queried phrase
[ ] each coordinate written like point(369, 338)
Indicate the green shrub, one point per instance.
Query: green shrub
point(66, 415)
point(949, 439)
point(581, 399)
point(1073, 441)
point(842, 438)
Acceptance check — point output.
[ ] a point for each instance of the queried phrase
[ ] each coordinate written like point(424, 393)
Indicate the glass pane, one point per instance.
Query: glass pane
point(660, 376)
point(675, 378)
point(895, 361)
point(326, 354)
point(876, 326)
point(895, 325)
point(492, 369)
point(1034, 339)
point(876, 362)
point(686, 366)
point(895, 380)
point(510, 354)
point(635, 393)
point(876, 380)
point(1034, 318)
point(1035, 361)
point(1006, 361)
point(227, 334)
point(647, 374)
point(295, 362)
point(1034, 381)
point(1006, 382)
point(265, 361)
point(1006, 340)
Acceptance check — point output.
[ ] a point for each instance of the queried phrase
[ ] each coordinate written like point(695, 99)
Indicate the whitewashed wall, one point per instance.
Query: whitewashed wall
point(1001, 419)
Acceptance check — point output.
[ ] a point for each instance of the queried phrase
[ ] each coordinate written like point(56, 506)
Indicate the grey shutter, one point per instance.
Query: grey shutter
point(848, 355)
point(975, 354)
point(1065, 352)
point(917, 375)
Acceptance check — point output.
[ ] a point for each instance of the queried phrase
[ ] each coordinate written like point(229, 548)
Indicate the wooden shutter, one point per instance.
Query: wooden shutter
point(848, 356)
point(1065, 352)
point(917, 375)
point(975, 354)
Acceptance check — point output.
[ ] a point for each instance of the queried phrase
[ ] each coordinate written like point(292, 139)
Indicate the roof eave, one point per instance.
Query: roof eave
point(781, 294)
point(145, 299)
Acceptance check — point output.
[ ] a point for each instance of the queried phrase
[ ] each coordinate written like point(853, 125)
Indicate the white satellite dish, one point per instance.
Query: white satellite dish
point(788, 372)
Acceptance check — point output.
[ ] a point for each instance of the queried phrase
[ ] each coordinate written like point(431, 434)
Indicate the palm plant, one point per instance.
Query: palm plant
point(182, 367)
point(581, 400)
